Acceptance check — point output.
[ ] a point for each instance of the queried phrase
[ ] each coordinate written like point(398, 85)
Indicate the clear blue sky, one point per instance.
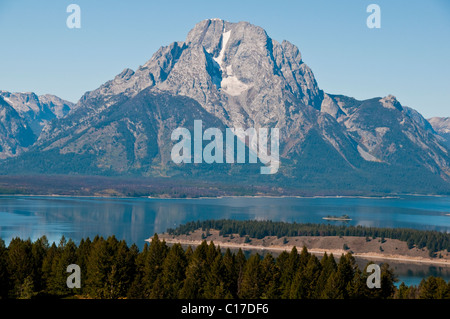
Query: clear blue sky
point(408, 57)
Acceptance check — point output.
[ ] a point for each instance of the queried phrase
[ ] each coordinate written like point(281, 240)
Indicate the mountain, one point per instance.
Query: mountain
point(37, 110)
point(234, 75)
point(442, 127)
point(15, 133)
point(23, 115)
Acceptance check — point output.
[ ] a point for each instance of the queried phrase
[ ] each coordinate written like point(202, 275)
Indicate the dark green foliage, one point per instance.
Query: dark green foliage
point(111, 269)
point(4, 275)
point(19, 265)
point(434, 288)
point(173, 274)
point(251, 285)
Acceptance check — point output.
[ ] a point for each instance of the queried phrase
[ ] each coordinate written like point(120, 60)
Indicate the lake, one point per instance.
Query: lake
point(136, 219)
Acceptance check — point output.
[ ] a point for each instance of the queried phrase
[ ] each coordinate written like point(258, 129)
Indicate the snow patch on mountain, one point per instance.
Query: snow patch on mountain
point(367, 156)
point(230, 84)
point(225, 38)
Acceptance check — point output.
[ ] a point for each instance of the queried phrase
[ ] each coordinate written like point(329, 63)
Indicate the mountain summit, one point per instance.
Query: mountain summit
point(234, 75)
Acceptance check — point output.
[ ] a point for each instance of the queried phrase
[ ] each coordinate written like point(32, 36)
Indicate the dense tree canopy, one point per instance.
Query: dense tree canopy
point(111, 269)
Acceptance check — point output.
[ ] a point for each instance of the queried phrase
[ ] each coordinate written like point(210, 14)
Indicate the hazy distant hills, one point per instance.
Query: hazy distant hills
point(228, 75)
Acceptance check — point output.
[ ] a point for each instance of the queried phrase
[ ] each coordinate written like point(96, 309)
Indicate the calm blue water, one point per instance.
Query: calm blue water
point(138, 219)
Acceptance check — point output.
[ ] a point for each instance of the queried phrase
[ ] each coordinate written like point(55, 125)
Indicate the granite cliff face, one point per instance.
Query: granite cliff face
point(234, 70)
point(23, 115)
point(37, 110)
point(235, 75)
point(15, 133)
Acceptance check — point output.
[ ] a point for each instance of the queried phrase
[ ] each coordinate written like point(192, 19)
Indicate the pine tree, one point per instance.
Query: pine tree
point(26, 289)
point(434, 288)
point(47, 264)
point(201, 251)
point(305, 280)
point(39, 250)
point(113, 286)
point(240, 266)
point(357, 288)
point(98, 268)
point(194, 283)
point(82, 255)
point(158, 289)
point(328, 266)
point(388, 280)
point(402, 292)
point(188, 253)
point(303, 257)
point(20, 263)
point(66, 256)
point(298, 287)
point(346, 271)
point(173, 273)
point(339, 282)
point(215, 287)
point(153, 263)
point(230, 273)
point(334, 287)
point(312, 272)
point(4, 276)
point(211, 253)
point(250, 285)
point(282, 261)
point(289, 269)
point(270, 278)
point(121, 268)
point(137, 289)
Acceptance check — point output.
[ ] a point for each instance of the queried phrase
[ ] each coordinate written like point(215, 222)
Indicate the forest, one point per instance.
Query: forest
point(433, 240)
point(110, 269)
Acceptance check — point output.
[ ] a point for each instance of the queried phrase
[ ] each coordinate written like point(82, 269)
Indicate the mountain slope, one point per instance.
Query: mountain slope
point(442, 127)
point(23, 116)
point(130, 137)
point(37, 110)
point(235, 75)
point(387, 132)
point(15, 134)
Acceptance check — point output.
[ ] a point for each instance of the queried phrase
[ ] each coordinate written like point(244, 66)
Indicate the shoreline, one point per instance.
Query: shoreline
point(288, 248)
point(397, 196)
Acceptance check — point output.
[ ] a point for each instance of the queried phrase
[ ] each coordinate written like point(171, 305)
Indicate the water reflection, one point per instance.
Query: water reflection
point(138, 219)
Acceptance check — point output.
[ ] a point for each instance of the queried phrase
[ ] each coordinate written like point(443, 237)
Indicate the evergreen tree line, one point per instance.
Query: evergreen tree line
point(111, 269)
point(433, 240)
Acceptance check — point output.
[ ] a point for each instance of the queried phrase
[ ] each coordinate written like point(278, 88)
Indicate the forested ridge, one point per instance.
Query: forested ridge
point(112, 269)
point(433, 240)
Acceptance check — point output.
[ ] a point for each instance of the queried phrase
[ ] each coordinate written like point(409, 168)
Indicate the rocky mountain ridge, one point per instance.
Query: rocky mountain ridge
point(441, 125)
point(235, 75)
point(23, 116)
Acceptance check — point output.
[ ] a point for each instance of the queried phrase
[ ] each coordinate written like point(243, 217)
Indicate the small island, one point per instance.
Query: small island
point(343, 217)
